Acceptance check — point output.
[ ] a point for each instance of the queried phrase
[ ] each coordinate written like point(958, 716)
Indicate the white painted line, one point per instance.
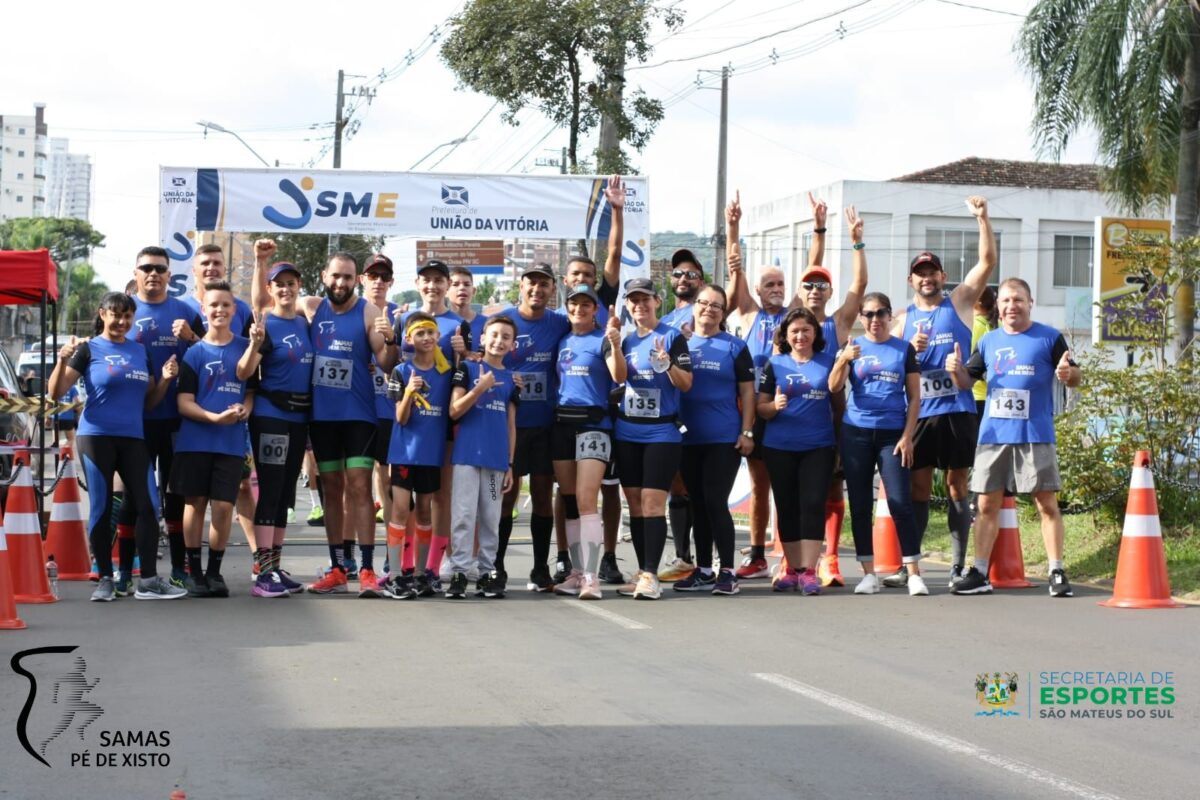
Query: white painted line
point(929, 736)
point(590, 607)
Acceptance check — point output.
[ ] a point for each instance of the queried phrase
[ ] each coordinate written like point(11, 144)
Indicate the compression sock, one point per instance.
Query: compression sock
point(194, 564)
point(504, 533)
point(424, 537)
point(835, 513)
point(637, 533)
point(368, 556)
point(395, 547)
point(656, 542)
point(958, 516)
point(921, 517)
point(591, 543)
point(542, 530)
point(437, 551)
point(679, 511)
point(214, 563)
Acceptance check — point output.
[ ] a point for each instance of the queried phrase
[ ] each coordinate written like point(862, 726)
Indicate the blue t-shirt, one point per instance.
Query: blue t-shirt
point(209, 372)
point(385, 409)
point(760, 339)
point(650, 403)
point(680, 316)
point(710, 409)
point(481, 439)
point(286, 366)
point(448, 324)
point(342, 385)
point(242, 315)
point(829, 330)
point(532, 357)
point(422, 440)
point(1019, 368)
point(939, 395)
point(116, 378)
point(153, 326)
point(877, 396)
point(807, 422)
point(583, 377)
point(70, 397)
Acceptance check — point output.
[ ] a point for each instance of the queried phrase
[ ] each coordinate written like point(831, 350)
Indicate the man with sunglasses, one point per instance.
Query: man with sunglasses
point(165, 326)
point(687, 279)
point(947, 430)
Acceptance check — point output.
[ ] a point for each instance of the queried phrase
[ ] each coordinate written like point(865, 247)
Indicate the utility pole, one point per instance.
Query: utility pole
point(719, 270)
point(339, 123)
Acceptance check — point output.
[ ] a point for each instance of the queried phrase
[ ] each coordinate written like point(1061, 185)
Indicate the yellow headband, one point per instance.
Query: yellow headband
point(439, 358)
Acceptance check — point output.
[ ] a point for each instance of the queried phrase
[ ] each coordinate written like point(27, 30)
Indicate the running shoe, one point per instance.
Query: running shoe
point(609, 571)
point(648, 587)
point(351, 567)
point(789, 581)
point(500, 580)
point(540, 580)
point(753, 568)
point(630, 589)
point(589, 588)
point(104, 592)
point(158, 588)
point(198, 587)
point(727, 583)
point(973, 582)
point(122, 585)
point(379, 512)
point(897, 580)
point(217, 584)
point(428, 584)
point(316, 517)
point(269, 585)
point(917, 587)
point(179, 577)
point(676, 569)
point(562, 569)
point(829, 572)
point(332, 582)
point(285, 578)
point(1059, 585)
point(368, 584)
point(489, 585)
point(571, 583)
point(457, 590)
point(956, 574)
point(695, 581)
point(810, 584)
point(868, 585)
point(291, 517)
point(400, 587)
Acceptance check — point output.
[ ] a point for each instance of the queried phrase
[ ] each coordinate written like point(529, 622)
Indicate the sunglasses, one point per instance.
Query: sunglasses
point(810, 285)
point(690, 274)
point(161, 269)
point(882, 313)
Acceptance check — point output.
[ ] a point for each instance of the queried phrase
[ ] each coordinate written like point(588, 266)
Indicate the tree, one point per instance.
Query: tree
point(309, 252)
point(566, 57)
point(66, 239)
point(485, 291)
point(81, 304)
point(408, 296)
point(1131, 70)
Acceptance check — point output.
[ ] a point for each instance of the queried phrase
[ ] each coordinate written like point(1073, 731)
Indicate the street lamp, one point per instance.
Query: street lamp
point(214, 126)
point(451, 143)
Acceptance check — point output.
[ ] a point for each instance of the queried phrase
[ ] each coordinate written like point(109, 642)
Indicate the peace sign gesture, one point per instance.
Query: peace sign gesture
point(855, 223)
point(258, 331)
point(660, 359)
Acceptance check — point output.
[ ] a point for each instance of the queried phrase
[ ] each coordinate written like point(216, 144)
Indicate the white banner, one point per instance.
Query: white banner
point(395, 204)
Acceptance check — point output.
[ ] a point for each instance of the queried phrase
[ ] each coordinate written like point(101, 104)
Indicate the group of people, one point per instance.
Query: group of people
point(443, 411)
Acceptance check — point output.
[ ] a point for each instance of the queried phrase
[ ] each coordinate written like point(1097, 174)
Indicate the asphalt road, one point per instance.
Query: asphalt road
point(759, 695)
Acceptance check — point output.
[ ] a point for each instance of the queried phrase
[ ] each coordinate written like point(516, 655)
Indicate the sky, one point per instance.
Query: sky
point(831, 89)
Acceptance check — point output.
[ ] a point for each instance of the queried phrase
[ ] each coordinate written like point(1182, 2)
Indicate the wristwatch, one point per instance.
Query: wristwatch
point(748, 434)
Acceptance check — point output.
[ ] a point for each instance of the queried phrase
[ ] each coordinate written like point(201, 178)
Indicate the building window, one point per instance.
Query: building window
point(806, 241)
point(20, 154)
point(1073, 261)
point(20, 176)
point(20, 198)
point(959, 251)
point(20, 131)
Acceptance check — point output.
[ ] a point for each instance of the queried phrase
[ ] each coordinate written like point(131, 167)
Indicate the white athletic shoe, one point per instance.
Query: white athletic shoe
point(868, 585)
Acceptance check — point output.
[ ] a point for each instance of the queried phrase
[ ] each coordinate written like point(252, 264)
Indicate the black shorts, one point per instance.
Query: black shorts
point(343, 444)
point(212, 475)
point(418, 480)
point(612, 476)
point(946, 441)
point(383, 440)
point(760, 430)
point(533, 456)
point(565, 444)
point(65, 425)
point(648, 465)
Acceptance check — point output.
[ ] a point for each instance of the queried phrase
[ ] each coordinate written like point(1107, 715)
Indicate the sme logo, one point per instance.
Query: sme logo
point(326, 203)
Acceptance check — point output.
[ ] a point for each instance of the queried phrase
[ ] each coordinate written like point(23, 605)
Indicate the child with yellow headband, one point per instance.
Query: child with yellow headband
point(421, 388)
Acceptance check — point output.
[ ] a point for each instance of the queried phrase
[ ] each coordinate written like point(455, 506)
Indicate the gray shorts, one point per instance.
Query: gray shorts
point(1021, 468)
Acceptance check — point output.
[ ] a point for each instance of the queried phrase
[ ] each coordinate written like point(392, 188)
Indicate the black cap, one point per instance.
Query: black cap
point(379, 263)
point(925, 258)
point(685, 256)
point(539, 269)
point(280, 268)
point(583, 290)
point(640, 286)
point(437, 266)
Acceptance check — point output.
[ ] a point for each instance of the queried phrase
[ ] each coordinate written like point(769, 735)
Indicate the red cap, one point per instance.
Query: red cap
point(925, 258)
point(817, 274)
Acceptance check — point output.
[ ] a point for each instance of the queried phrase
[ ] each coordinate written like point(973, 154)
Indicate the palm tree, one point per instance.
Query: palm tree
point(1130, 69)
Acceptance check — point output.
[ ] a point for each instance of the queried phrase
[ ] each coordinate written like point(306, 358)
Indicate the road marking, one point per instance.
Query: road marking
point(917, 731)
point(588, 607)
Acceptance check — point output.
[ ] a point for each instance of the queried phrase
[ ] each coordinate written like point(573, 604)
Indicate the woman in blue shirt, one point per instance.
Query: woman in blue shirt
point(881, 415)
point(798, 443)
point(119, 383)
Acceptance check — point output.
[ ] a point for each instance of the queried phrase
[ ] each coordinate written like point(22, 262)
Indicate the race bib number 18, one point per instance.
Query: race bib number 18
point(533, 386)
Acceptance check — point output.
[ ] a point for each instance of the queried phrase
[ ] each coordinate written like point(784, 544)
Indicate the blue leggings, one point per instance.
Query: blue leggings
point(862, 450)
point(102, 457)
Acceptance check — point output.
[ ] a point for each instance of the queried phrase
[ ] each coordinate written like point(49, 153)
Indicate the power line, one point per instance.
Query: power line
point(982, 8)
point(466, 135)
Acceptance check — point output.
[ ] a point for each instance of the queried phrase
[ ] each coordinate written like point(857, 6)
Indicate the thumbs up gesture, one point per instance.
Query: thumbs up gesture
point(954, 360)
point(781, 400)
point(920, 341)
point(612, 331)
point(170, 369)
point(850, 352)
point(1063, 371)
point(68, 349)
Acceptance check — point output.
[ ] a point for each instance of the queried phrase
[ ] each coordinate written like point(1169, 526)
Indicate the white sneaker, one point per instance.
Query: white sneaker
point(869, 585)
point(916, 586)
point(571, 585)
point(648, 587)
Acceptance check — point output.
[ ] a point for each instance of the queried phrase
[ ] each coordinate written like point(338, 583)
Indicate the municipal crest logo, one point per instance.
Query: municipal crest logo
point(996, 694)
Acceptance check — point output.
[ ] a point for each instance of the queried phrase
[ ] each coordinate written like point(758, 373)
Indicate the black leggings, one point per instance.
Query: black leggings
point(278, 447)
point(102, 456)
point(159, 435)
point(708, 472)
point(800, 483)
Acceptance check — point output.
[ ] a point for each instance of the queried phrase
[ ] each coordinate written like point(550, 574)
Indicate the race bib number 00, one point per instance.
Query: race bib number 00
point(533, 386)
point(332, 373)
point(593, 444)
point(937, 383)
point(1009, 404)
point(643, 403)
point(272, 449)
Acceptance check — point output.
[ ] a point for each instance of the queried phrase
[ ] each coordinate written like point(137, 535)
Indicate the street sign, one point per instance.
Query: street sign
point(1110, 282)
point(482, 257)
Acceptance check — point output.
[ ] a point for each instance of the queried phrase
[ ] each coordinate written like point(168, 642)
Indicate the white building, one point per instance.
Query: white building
point(1043, 215)
point(23, 155)
point(68, 183)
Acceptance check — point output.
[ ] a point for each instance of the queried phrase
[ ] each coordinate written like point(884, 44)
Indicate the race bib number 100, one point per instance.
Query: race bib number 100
point(272, 449)
point(333, 373)
point(937, 383)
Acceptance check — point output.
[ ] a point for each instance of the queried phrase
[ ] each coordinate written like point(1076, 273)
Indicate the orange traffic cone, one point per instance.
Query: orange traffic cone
point(885, 539)
point(27, 560)
point(66, 536)
point(1007, 567)
point(9, 621)
point(1142, 580)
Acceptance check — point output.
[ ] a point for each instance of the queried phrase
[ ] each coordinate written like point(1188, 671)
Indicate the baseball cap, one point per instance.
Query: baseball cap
point(816, 274)
point(437, 266)
point(925, 258)
point(379, 263)
point(538, 269)
point(280, 268)
point(639, 286)
point(685, 256)
point(583, 290)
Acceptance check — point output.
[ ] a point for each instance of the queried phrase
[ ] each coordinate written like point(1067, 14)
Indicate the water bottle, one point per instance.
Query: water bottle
point(52, 574)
